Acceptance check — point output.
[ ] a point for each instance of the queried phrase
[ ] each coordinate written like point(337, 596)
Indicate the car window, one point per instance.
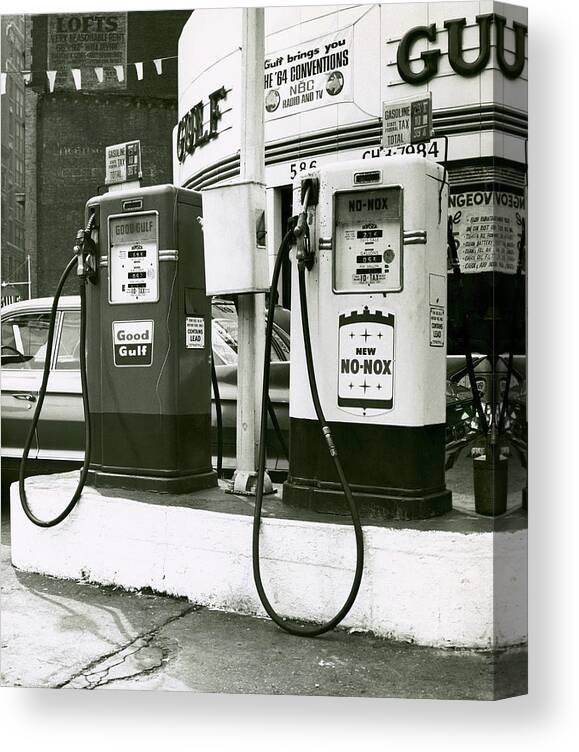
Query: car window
point(26, 334)
point(69, 346)
point(225, 337)
point(224, 341)
point(280, 348)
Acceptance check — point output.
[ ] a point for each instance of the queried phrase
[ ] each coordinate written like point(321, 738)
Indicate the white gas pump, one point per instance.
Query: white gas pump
point(376, 297)
point(368, 376)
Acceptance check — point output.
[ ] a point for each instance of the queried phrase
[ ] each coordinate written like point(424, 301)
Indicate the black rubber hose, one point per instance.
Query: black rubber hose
point(219, 416)
point(277, 428)
point(292, 628)
point(42, 394)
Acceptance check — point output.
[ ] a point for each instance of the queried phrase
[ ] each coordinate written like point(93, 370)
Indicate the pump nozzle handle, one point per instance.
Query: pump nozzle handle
point(304, 255)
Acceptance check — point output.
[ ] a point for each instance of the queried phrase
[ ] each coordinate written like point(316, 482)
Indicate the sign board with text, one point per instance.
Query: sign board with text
point(407, 121)
point(123, 163)
point(86, 41)
point(309, 75)
point(487, 224)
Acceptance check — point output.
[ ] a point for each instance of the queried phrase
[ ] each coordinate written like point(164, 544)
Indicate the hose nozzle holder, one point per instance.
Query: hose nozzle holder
point(86, 252)
point(304, 253)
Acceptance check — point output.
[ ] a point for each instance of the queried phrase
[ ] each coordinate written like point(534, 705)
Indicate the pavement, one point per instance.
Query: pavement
point(68, 634)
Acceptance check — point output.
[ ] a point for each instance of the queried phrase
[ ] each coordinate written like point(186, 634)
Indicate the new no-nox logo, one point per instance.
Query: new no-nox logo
point(133, 343)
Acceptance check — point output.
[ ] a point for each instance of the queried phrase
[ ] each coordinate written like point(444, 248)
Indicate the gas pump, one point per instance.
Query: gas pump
point(377, 309)
point(372, 243)
point(149, 343)
point(145, 345)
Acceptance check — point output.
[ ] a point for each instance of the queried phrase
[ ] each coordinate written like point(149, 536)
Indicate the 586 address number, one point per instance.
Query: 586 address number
point(296, 167)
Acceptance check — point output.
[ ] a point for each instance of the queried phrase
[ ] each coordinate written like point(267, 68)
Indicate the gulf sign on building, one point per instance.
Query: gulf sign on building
point(329, 72)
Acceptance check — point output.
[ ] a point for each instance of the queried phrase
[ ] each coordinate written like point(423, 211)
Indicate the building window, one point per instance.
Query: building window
point(19, 103)
point(18, 171)
point(19, 235)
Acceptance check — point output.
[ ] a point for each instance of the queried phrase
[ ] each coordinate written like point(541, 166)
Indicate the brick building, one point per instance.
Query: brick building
point(14, 271)
point(67, 129)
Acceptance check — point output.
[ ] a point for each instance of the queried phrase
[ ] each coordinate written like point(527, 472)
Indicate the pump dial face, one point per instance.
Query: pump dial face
point(134, 258)
point(368, 240)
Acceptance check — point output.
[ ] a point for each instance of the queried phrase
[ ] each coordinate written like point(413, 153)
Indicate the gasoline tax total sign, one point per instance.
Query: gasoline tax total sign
point(123, 163)
point(407, 121)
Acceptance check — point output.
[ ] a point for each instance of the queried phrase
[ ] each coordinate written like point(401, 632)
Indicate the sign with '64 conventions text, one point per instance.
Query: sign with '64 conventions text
point(133, 343)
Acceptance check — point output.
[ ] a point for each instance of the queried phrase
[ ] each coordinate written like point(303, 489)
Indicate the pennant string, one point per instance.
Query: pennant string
point(51, 75)
point(77, 77)
point(77, 73)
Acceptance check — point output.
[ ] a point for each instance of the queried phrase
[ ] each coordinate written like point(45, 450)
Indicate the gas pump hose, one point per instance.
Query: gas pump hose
point(42, 394)
point(286, 625)
point(219, 417)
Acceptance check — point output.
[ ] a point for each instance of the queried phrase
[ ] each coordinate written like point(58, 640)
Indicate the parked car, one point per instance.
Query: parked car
point(59, 440)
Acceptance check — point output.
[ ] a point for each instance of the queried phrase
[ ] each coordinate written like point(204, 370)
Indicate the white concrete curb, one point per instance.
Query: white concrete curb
point(430, 587)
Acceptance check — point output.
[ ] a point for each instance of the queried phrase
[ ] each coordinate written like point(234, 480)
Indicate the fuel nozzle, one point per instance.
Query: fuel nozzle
point(85, 250)
point(304, 253)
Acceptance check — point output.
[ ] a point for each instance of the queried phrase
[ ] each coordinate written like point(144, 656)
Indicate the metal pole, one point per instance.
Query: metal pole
point(251, 307)
point(29, 277)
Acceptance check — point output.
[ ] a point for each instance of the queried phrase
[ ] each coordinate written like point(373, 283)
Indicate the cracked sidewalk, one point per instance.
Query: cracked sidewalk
point(67, 634)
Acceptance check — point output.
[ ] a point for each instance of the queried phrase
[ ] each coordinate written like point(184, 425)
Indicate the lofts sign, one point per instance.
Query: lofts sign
point(87, 40)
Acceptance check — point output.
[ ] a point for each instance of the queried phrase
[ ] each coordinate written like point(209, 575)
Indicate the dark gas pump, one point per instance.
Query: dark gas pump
point(149, 343)
point(145, 345)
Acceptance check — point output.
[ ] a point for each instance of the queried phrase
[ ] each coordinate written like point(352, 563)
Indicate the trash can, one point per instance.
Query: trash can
point(491, 475)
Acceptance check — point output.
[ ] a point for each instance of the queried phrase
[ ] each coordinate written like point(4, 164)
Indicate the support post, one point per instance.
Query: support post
point(251, 307)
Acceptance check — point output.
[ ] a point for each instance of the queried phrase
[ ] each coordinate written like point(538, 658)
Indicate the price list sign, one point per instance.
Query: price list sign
point(407, 121)
point(123, 163)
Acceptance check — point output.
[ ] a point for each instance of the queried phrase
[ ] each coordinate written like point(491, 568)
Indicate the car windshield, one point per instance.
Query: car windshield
point(25, 334)
point(225, 336)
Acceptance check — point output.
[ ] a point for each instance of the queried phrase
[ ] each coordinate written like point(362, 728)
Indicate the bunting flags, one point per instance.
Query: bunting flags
point(76, 77)
point(77, 73)
point(51, 75)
